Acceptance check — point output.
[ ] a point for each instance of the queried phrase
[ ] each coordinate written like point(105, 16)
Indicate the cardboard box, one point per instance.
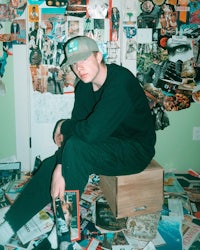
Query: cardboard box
point(136, 194)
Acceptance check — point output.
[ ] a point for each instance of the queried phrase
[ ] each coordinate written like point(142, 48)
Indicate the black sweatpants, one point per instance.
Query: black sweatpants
point(110, 157)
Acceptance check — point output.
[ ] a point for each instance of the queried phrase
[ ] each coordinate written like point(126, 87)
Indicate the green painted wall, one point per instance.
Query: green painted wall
point(7, 113)
point(175, 148)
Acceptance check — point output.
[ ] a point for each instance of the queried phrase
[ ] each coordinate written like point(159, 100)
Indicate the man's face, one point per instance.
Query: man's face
point(88, 69)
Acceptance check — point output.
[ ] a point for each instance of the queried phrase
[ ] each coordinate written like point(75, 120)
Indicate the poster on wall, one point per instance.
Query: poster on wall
point(46, 40)
point(167, 66)
point(98, 9)
point(168, 60)
point(12, 32)
point(76, 8)
point(74, 26)
point(33, 13)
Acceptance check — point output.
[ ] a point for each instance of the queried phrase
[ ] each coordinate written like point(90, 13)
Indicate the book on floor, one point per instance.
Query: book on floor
point(9, 171)
point(105, 220)
point(15, 187)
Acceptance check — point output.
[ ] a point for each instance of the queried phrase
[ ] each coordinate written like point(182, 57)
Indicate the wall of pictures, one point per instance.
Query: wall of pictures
point(158, 40)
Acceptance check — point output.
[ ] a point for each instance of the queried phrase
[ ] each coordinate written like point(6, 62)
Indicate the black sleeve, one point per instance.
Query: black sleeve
point(66, 129)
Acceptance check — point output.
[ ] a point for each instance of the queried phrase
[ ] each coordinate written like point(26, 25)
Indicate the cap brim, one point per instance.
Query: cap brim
point(75, 58)
point(63, 63)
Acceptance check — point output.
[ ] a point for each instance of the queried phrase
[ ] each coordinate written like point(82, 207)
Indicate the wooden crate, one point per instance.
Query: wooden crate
point(136, 194)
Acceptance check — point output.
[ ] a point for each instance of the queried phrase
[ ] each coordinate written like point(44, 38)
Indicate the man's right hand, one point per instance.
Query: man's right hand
point(57, 136)
point(57, 183)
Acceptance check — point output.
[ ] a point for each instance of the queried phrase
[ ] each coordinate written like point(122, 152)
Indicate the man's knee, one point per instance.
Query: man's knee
point(74, 144)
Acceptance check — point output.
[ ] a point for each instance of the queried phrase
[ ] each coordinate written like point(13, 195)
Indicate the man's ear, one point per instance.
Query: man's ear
point(99, 56)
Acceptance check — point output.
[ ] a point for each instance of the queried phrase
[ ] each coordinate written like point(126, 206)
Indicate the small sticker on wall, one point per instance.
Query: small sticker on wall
point(33, 13)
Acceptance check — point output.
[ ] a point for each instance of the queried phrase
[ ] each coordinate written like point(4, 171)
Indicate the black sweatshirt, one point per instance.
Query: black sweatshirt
point(118, 109)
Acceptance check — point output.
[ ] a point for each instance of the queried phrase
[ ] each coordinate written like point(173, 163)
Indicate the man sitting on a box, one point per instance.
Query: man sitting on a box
point(111, 132)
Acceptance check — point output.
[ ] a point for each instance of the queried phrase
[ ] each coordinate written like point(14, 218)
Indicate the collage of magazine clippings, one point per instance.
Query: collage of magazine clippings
point(91, 224)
